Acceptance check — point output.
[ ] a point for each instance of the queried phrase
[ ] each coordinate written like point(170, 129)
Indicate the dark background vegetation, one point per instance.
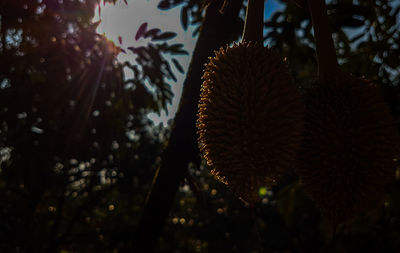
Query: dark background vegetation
point(78, 154)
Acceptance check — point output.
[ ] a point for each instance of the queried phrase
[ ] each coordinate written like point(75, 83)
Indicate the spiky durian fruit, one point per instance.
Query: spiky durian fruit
point(250, 118)
point(349, 146)
point(350, 137)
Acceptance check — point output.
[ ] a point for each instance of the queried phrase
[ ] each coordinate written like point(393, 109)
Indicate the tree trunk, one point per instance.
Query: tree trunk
point(182, 147)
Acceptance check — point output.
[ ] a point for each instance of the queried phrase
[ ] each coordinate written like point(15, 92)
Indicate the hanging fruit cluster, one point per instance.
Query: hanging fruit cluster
point(254, 126)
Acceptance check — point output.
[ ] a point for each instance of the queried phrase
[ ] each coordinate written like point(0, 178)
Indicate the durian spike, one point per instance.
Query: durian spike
point(326, 53)
point(254, 24)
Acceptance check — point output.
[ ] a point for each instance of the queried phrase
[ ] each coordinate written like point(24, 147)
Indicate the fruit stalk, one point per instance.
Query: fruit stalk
point(326, 53)
point(254, 24)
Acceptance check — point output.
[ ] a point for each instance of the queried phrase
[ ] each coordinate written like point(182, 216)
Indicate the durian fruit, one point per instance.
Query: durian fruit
point(250, 113)
point(350, 137)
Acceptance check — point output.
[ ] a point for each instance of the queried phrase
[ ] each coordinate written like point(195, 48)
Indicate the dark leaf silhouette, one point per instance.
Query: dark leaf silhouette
point(164, 5)
point(164, 36)
point(152, 33)
point(178, 65)
point(184, 17)
point(141, 31)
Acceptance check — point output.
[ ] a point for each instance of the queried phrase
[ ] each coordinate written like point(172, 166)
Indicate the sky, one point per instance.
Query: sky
point(124, 20)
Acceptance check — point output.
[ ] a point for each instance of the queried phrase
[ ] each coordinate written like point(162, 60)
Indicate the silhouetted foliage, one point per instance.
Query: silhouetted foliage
point(74, 135)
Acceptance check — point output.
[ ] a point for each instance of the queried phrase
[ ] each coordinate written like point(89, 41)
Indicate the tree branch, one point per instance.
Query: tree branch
point(182, 147)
